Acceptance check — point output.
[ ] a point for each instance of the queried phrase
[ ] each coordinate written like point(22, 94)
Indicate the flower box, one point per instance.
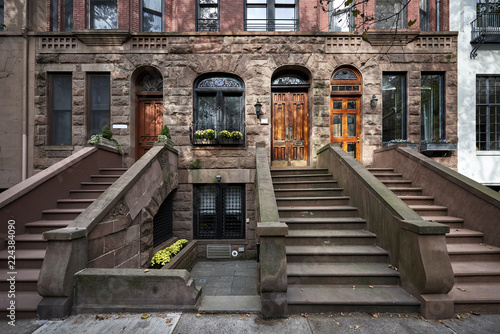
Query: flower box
point(431, 147)
point(412, 146)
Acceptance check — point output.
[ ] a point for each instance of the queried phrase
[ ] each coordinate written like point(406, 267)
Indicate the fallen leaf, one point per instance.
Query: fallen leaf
point(144, 316)
point(370, 286)
point(198, 315)
point(146, 270)
point(461, 289)
point(169, 320)
point(342, 314)
point(356, 327)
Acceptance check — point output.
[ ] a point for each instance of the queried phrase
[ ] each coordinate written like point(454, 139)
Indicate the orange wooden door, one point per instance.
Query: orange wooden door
point(345, 124)
point(290, 131)
point(150, 125)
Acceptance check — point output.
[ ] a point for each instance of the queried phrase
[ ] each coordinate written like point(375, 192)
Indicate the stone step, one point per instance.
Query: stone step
point(30, 241)
point(380, 170)
point(104, 178)
point(344, 223)
point(297, 171)
point(430, 210)
point(95, 185)
point(69, 203)
point(341, 298)
point(473, 252)
point(309, 201)
point(476, 272)
point(305, 184)
point(24, 259)
point(25, 279)
point(463, 235)
point(329, 237)
point(317, 211)
point(308, 192)
point(322, 254)
point(417, 200)
point(302, 177)
point(476, 297)
point(85, 194)
point(386, 176)
point(112, 171)
point(26, 305)
point(61, 214)
point(40, 226)
point(341, 274)
point(452, 222)
point(397, 183)
point(406, 191)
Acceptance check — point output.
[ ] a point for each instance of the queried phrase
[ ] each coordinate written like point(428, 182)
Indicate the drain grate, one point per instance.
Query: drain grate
point(218, 251)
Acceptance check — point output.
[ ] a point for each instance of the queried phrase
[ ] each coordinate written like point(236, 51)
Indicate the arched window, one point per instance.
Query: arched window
point(219, 104)
point(345, 81)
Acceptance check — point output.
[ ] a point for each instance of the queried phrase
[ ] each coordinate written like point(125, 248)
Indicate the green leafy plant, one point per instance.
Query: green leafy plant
point(199, 134)
point(401, 141)
point(236, 135)
point(209, 134)
point(164, 256)
point(165, 132)
point(106, 132)
point(437, 141)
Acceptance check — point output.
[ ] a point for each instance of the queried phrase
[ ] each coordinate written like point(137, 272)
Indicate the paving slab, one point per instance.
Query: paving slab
point(230, 304)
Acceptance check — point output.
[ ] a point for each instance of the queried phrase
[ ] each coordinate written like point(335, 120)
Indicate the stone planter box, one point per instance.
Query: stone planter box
point(413, 146)
point(437, 149)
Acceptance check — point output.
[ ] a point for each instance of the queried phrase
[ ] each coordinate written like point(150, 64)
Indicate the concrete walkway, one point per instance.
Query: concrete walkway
point(186, 323)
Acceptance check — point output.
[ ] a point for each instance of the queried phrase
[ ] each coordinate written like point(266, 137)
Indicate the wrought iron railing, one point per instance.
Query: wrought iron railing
point(208, 25)
point(234, 134)
point(272, 25)
point(487, 24)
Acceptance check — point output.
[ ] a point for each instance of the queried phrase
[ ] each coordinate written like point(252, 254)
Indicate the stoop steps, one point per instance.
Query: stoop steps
point(30, 246)
point(476, 266)
point(333, 263)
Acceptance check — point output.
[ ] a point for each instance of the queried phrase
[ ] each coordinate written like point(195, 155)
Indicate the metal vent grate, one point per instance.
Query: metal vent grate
point(218, 251)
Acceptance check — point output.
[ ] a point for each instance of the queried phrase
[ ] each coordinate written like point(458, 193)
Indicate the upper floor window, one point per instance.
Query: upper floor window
point(432, 106)
point(488, 113)
point(2, 24)
point(152, 17)
point(103, 14)
point(219, 105)
point(271, 15)
point(390, 14)
point(60, 109)
point(208, 15)
point(341, 17)
point(425, 15)
point(62, 15)
point(393, 106)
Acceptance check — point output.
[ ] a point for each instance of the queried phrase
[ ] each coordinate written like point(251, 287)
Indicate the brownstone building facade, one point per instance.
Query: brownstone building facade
point(207, 65)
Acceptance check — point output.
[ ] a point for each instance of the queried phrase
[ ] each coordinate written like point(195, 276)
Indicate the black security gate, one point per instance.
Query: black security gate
point(163, 222)
point(219, 211)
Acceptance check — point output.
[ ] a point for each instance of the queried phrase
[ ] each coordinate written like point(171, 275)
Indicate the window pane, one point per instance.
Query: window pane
point(393, 107)
point(99, 103)
point(285, 19)
point(55, 14)
point(337, 105)
point(61, 109)
point(152, 4)
point(68, 15)
point(61, 127)
point(256, 19)
point(206, 112)
point(424, 15)
point(351, 125)
point(351, 148)
point(233, 224)
point(61, 92)
point(389, 14)
point(206, 215)
point(232, 113)
point(337, 125)
point(431, 107)
point(487, 113)
point(351, 105)
point(103, 14)
point(151, 22)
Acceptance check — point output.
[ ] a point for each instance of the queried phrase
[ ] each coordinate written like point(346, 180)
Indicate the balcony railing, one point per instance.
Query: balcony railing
point(208, 25)
point(272, 25)
point(485, 28)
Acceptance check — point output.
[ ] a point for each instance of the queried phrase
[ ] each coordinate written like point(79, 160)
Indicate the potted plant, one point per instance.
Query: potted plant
point(224, 137)
point(164, 136)
point(437, 145)
point(105, 138)
point(404, 143)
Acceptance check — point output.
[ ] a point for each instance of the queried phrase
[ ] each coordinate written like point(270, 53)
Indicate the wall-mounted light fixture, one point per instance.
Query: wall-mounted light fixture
point(373, 101)
point(258, 106)
point(218, 178)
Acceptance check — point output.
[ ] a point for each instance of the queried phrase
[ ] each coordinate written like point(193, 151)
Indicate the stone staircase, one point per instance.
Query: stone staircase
point(333, 263)
point(476, 266)
point(30, 246)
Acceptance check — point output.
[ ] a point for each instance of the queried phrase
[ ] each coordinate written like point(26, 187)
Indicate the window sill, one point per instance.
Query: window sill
point(487, 153)
point(59, 148)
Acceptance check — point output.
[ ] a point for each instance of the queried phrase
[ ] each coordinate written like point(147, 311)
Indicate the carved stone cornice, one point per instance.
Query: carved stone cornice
point(384, 37)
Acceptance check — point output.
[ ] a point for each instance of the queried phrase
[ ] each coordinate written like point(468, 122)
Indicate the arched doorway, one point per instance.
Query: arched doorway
point(345, 110)
point(149, 109)
point(290, 119)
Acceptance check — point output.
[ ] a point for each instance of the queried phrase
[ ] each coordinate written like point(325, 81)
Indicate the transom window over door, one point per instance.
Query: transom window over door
point(345, 110)
point(218, 106)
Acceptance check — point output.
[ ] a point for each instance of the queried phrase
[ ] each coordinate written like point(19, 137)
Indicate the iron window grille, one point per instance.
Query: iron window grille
point(163, 222)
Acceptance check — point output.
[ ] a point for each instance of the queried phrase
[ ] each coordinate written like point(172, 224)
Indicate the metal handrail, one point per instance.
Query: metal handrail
point(272, 25)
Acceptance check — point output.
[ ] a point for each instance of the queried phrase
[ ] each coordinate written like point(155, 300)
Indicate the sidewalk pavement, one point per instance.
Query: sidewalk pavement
point(186, 323)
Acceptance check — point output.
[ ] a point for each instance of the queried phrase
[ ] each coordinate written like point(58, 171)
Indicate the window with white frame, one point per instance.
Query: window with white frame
point(488, 113)
point(341, 18)
point(271, 15)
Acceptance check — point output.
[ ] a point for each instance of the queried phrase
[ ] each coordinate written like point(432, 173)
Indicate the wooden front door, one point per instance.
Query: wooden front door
point(345, 124)
point(290, 130)
point(150, 123)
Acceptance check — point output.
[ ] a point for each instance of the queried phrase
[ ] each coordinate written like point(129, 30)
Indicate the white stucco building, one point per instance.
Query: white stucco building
point(478, 89)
